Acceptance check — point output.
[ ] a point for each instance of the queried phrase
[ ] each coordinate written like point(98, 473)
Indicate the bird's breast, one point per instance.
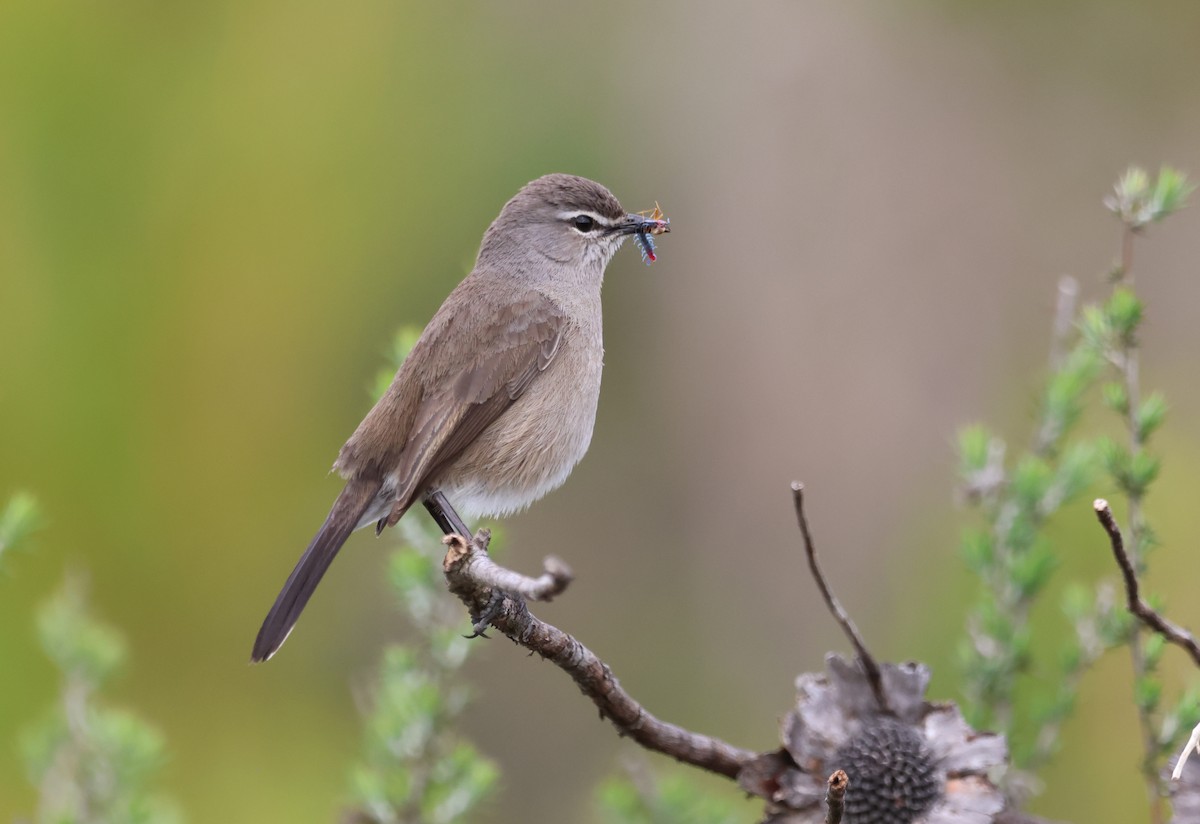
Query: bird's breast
point(533, 446)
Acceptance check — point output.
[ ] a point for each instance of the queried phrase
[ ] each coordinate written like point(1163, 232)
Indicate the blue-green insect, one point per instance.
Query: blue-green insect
point(646, 245)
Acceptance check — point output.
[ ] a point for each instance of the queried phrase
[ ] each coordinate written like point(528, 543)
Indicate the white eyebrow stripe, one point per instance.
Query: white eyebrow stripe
point(599, 218)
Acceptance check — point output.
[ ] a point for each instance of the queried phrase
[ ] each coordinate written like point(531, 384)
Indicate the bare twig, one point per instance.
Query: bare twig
point(1145, 613)
point(839, 614)
point(479, 567)
point(511, 616)
point(835, 796)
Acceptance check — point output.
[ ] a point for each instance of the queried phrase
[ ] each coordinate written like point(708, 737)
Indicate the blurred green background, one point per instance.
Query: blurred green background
point(214, 215)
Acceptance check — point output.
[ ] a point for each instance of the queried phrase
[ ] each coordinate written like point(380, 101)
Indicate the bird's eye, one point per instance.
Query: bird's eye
point(584, 223)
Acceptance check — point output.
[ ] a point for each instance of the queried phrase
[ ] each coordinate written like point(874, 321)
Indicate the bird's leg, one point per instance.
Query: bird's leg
point(444, 515)
point(452, 524)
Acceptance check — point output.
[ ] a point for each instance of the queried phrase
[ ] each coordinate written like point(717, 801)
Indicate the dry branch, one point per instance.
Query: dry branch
point(487, 590)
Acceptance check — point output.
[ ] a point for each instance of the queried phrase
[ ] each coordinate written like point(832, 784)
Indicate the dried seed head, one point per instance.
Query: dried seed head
point(893, 778)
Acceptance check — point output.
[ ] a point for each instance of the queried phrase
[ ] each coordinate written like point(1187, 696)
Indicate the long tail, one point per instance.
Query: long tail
point(342, 520)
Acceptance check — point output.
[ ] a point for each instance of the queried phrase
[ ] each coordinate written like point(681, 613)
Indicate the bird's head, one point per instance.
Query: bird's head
point(566, 219)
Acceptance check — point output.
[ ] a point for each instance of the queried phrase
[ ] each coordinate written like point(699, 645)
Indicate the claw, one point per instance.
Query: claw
point(479, 626)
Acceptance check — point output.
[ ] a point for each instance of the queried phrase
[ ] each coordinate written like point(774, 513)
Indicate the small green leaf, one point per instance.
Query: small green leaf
point(1031, 479)
point(1077, 468)
point(1152, 649)
point(1115, 397)
point(974, 448)
point(1118, 463)
point(1143, 469)
point(1188, 708)
point(1171, 192)
point(20, 518)
point(1151, 415)
point(1138, 203)
point(977, 549)
point(1134, 184)
point(1032, 570)
point(1096, 329)
point(1124, 311)
point(1147, 693)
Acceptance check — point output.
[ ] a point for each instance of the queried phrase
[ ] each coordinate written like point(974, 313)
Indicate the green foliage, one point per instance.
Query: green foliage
point(1138, 202)
point(85, 650)
point(1153, 649)
point(1132, 472)
point(91, 763)
point(415, 767)
point(1150, 416)
point(1147, 692)
point(1011, 554)
point(1124, 314)
point(642, 798)
point(20, 518)
point(1116, 397)
point(1179, 719)
point(1062, 401)
point(974, 449)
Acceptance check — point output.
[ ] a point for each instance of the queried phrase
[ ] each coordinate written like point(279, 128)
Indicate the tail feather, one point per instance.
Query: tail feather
point(342, 520)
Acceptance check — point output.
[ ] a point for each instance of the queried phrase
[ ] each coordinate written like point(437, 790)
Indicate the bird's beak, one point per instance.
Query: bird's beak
point(633, 224)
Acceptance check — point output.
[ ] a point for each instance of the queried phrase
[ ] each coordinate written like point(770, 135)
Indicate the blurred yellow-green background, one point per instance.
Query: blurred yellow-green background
point(213, 216)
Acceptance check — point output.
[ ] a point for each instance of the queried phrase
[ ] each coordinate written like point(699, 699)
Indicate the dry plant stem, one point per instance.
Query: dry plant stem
point(1064, 319)
point(593, 677)
point(835, 796)
point(1125, 273)
point(839, 614)
point(1145, 613)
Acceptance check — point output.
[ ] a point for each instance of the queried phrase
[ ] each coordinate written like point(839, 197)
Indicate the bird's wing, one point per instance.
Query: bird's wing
point(522, 337)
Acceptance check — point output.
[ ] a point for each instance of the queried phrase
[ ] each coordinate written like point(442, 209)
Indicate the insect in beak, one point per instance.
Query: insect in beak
point(643, 226)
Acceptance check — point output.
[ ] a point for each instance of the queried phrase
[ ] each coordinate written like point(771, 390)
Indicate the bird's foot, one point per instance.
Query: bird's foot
point(480, 624)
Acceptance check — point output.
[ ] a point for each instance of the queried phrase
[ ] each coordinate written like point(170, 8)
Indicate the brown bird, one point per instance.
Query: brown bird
point(495, 404)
